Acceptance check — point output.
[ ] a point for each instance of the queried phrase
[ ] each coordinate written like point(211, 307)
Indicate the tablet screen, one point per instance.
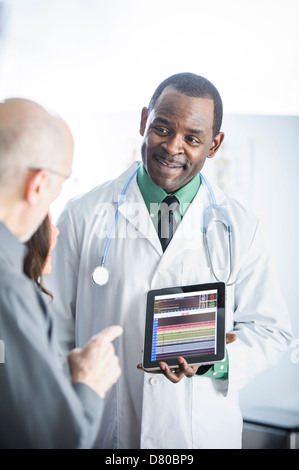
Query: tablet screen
point(185, 321)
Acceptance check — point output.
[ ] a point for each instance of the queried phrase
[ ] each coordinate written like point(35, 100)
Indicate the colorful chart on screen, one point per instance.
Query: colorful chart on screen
point(186, 321)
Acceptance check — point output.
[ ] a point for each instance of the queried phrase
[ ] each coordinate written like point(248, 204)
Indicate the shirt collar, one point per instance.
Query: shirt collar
point(153, 194)
point(11, 249)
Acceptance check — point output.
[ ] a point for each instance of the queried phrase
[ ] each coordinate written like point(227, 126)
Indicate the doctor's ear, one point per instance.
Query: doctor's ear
point(35, 186)
point(144, 116)
point(216, 144)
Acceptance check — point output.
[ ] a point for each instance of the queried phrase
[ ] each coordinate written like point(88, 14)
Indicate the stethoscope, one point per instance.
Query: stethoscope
point(100, 274)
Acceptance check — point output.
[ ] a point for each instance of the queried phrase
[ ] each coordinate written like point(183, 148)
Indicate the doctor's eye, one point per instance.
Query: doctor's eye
point(161, 130)
point(192, 140)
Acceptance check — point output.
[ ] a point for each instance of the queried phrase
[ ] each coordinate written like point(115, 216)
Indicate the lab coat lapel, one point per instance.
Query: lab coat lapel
point(189, 235)
point(189, 232)
point(134, 210)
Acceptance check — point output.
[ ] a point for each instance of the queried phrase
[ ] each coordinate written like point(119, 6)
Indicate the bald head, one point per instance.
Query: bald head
point(30, 136)
point(36, 151)
point(14, 109)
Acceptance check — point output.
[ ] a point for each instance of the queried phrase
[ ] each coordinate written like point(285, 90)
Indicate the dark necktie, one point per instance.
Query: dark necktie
point(166, 222)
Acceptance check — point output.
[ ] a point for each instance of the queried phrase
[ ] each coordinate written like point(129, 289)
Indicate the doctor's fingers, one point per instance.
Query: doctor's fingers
point(230, 338)
point(174, 375)
point(187, 370)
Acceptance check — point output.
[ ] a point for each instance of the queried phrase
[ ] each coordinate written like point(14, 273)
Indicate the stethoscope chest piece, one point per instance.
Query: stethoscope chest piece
point(100, 275)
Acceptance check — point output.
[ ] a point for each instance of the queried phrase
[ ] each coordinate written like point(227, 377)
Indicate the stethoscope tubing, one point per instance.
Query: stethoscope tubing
point(115, 221)
point(213, 207)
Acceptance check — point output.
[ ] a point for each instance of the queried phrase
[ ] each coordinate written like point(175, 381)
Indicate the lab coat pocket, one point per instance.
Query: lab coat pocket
point(216, 420)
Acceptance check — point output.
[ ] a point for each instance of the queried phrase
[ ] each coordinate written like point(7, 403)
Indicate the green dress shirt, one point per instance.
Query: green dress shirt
point(153, 196)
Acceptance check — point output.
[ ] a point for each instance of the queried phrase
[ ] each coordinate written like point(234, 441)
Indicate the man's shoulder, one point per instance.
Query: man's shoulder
point(15, 282)
point(18, 293)
point(10, 278)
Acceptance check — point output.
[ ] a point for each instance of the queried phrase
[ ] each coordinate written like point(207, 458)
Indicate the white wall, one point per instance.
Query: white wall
point(108, 55)
point(97, 62)
point(271, 145)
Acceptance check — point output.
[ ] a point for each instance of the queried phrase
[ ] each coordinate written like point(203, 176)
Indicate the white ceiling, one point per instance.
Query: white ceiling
point(114, 53)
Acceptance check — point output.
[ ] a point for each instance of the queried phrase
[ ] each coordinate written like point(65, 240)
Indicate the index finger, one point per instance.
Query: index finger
point(110, 333)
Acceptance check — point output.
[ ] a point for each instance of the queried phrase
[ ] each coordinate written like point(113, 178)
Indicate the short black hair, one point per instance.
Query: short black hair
point(195, 86)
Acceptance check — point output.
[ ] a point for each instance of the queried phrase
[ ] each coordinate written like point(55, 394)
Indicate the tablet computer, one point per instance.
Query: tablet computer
point(187, 321)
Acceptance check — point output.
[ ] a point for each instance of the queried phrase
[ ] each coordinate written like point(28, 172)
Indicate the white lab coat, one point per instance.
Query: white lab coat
point(146, 410)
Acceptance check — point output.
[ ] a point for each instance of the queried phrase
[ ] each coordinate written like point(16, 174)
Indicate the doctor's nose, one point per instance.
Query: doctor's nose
point(174, 145)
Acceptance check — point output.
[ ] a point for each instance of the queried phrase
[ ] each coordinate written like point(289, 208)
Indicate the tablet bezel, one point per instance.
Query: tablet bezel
point(206, 359)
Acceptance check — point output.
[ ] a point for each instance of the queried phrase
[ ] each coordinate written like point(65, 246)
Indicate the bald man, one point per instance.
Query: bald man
point(39, 407)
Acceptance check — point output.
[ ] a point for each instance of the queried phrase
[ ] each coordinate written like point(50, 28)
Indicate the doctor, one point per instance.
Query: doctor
point(180, 129)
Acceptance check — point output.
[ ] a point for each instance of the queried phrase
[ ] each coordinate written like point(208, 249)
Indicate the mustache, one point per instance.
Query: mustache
point(172, 161)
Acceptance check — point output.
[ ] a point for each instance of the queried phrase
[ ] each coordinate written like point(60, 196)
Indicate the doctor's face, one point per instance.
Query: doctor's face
point(177, 138)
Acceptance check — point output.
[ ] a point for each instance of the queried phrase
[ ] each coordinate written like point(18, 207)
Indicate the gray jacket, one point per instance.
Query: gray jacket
point(39, 408)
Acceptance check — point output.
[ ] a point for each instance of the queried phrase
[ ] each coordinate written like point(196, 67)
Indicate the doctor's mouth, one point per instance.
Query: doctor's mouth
point(169, 165)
